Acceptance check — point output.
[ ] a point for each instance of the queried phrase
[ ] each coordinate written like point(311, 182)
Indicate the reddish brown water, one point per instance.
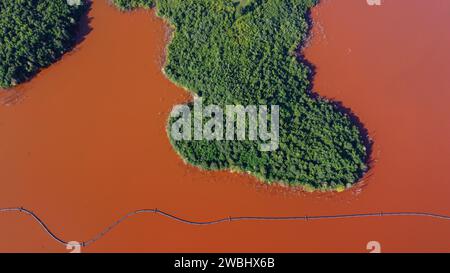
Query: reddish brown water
point(87, 143)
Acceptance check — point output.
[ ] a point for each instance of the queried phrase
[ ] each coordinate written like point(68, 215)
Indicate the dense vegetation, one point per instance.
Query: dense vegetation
point(34, 34)
point(245, 52)
point(126, 5)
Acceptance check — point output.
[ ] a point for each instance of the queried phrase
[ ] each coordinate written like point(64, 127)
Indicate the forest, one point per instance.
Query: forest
point(126, 5)
point(247, 53)
point(34, 34)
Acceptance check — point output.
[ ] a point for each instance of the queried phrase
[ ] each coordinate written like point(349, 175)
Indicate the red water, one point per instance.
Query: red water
point(87, 142)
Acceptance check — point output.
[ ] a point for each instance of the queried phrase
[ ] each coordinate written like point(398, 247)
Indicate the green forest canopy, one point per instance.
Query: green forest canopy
point(33, 35)
point(246, 52)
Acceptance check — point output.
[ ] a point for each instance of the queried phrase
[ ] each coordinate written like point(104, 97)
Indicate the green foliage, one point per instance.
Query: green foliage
point(126, 5)
point(33, 35)
point(244, 52)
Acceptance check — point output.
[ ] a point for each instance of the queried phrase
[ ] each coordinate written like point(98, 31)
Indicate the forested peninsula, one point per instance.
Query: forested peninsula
point(34, 34)
point(247, 52)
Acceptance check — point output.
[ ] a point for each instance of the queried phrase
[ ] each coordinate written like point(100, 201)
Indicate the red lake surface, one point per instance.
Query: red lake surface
point(84, 142)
